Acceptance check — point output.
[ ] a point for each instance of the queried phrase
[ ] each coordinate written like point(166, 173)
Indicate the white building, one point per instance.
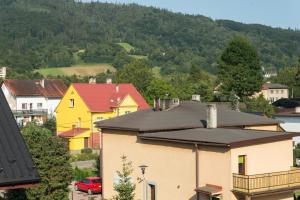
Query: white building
point(33, 100)
point(273, 92)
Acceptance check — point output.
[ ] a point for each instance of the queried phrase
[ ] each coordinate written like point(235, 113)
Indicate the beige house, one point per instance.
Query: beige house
point(194, 151)
point(274, 91)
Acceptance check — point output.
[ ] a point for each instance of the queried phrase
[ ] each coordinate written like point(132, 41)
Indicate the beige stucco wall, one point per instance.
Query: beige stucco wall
point(171, 166)
point(264, 158)
point(264, 127)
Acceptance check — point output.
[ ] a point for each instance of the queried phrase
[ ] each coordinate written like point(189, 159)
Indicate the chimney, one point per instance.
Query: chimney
point(92, 80)
point(3, 72)
point(117, 88)
point(156, 104)
point(42, 83)
point(108, 81)
point(297, 109)
point(196, 97)
point(211, 116)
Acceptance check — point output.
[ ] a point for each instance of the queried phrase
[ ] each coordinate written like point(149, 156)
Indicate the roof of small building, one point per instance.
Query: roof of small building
point(219, 136)
point(73, 132)
point(52, 87)
point(103, 97)
point(16, 165)
point(274, 86)
point(189, 114)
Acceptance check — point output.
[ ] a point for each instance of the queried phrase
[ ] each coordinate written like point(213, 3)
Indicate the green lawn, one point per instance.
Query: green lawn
point(126, 46)
point(79, 69)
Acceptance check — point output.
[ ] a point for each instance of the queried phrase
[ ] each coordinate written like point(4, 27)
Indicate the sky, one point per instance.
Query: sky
point(275, 13)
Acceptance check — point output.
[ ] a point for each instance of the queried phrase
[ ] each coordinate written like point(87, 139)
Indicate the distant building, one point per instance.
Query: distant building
point(197, 151)
point(33, 100)
point(17, 169)
point(268, 73)
point(288, 112)
point(2, 72)
point(273, 92)
point(85, 103)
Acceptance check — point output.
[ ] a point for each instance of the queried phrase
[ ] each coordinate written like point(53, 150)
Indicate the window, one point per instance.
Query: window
point(271, 91)
point(24, 106)
point(277, 91)
point(127, 112)
point(86, 181)
point(281, 91)
point(39, 105)
point(71, 103)
point(242, 165)
point(99, 119)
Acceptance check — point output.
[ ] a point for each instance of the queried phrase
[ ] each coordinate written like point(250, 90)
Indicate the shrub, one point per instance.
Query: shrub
point(79, 174)
point(87, 151)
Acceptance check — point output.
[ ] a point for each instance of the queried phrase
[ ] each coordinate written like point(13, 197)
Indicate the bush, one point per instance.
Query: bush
point(83, 157)
point(79, 174)
point(87, 151)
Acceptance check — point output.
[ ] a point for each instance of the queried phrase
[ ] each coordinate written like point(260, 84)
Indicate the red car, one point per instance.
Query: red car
point(90, 185)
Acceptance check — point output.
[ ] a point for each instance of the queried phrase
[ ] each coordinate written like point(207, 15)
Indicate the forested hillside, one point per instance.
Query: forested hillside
point(52, 33)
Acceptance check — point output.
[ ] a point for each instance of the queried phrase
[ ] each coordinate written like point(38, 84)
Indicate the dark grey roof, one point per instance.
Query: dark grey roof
point(188, 114)
point(16, 164)
point(274, 86)
point(219, 136)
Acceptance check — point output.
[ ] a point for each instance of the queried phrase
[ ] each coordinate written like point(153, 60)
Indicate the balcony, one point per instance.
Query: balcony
point(32, 112)
point(261, 183)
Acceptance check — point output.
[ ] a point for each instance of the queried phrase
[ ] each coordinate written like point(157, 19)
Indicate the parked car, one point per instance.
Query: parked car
point(90, 185)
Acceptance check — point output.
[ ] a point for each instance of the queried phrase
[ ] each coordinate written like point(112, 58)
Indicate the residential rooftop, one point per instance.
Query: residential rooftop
point(219, 136)
point(189, 114)
point(274, 86)
point(50, 88)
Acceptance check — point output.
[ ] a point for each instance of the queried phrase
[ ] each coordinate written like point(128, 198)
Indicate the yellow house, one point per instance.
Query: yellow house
point(83, 104)
point(200, 152)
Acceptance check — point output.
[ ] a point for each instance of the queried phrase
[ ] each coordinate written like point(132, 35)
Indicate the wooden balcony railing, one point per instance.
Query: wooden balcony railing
point(266, 182)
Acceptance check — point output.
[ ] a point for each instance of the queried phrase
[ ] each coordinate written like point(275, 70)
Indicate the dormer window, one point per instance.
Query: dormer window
point(71, 103)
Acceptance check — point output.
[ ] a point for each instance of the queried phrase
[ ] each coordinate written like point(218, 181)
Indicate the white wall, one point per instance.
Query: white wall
point(52, 103)
point(9, 97)
point(290, 124)
point(33, 100)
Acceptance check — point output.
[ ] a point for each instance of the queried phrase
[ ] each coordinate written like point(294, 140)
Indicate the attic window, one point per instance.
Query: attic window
point(71, 103)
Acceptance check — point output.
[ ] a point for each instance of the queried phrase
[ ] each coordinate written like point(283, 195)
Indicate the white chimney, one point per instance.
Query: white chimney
point(297, 109)
point(92, 80)
point(117, 88)
point(108, 81)
point(211, 116)
point(196, 97)
point(42, 83)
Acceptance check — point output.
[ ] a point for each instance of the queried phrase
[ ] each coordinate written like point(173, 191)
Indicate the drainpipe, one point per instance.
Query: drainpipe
point(197, 169)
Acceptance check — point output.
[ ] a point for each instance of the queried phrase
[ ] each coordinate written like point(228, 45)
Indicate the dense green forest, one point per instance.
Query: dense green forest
point(48, 33)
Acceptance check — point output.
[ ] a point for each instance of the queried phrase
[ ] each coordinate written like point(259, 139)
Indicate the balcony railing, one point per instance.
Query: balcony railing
point(31, 112)
point(266, 182)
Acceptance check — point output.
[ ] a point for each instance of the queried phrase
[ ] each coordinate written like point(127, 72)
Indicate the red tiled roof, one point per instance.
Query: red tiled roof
point(73, 132)
point(52, 87)
point(103, 97)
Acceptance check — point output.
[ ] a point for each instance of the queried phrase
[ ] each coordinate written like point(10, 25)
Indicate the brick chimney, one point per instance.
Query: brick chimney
point(211, 116)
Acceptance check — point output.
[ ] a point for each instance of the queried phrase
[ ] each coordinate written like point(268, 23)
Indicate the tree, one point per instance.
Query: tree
point(50, 156)
point(125, 188)
point(50, 124)
point(239, 69)
point(137, 72)
point(259, 104)
point(159, 88)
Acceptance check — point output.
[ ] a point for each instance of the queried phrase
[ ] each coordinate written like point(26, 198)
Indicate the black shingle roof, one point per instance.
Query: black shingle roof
point(16, 164)
point(187, 115)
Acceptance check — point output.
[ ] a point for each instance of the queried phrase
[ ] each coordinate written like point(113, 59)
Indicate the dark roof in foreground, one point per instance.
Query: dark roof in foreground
point(219, 136)
point(16, 165)
point(188, 114)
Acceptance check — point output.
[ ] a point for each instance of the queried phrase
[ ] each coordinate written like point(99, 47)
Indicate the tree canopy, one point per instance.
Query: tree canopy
point(239, 68)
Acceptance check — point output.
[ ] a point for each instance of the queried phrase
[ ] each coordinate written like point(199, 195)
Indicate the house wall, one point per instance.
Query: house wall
point(171, 167)
point(67, 117)
point(52, 103)
point(31, 100)
point(275, 94)
point(264, 127)
point(9, 97)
